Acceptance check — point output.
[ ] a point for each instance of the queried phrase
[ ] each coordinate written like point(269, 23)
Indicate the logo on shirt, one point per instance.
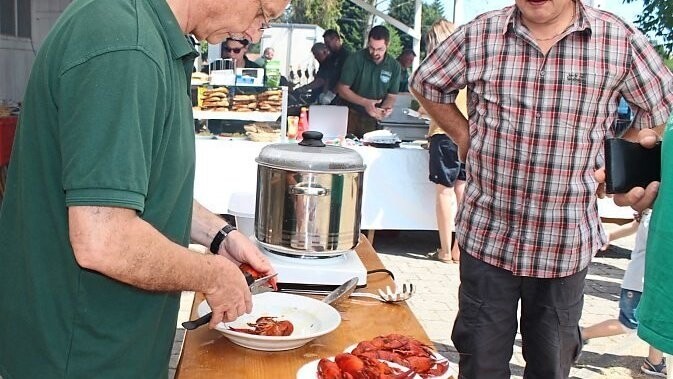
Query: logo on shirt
point(385, 76)
point(575, 77)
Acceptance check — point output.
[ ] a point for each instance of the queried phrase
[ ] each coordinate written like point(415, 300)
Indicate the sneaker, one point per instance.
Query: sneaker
point(655, 370)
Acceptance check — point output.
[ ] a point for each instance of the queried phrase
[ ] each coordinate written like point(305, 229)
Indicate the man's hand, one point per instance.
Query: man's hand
point(600, 178)
point(640, 198)
point(240, 249)
point(229, 296)
point(371, 108)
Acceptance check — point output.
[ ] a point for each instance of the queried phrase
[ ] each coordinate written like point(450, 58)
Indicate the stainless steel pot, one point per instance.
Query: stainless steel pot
point(309, 197)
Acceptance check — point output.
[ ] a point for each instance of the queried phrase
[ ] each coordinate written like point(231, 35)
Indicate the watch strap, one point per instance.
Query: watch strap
point(219, 237)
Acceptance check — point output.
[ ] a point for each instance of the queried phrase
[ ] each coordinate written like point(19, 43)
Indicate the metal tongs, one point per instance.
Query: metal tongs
point(260, 285)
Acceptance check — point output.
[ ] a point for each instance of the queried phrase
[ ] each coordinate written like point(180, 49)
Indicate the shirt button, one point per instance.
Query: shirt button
point(537, 116)
point(542, 74)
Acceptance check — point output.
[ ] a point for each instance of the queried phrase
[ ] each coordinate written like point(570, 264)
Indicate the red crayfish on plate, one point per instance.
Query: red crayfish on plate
point(349, 366)
point(268, 326)
point(405, 351)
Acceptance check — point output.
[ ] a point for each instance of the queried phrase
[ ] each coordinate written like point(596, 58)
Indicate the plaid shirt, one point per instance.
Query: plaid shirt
point(537, 125)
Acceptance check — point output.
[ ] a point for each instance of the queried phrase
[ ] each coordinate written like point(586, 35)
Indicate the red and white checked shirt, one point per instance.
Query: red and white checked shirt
point(537, 125)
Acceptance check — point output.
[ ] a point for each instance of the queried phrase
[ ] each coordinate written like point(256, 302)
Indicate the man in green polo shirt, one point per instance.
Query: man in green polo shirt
point(369, 81)
point(98, 208)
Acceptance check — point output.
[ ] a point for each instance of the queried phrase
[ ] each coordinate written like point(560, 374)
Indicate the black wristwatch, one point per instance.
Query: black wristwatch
point(219, 237)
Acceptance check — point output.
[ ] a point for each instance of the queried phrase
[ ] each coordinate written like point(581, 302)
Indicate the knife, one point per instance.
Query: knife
point(258, 286)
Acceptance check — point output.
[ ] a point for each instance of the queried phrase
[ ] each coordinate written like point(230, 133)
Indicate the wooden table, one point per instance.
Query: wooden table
point(208, 354)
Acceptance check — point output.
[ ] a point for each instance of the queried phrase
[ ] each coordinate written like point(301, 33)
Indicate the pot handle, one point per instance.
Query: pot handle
point(308, 189)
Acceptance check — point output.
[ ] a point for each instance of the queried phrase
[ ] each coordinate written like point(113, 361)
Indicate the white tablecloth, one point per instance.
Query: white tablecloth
point(396, 195)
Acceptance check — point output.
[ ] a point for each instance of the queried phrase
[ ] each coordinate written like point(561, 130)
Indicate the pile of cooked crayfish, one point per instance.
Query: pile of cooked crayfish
point(365, 361)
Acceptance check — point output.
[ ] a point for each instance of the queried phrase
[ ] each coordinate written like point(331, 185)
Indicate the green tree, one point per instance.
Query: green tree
point(403, 10)
point(657, 20)
point(324, 13)
point(352, 25)
point(395, 45)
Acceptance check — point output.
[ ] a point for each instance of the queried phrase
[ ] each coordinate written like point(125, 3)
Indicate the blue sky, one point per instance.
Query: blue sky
point(472, 8)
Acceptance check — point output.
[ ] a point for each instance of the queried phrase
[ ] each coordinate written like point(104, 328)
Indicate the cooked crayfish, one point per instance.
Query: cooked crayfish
point(349, 366)
point(405, 351)
point(268, 326)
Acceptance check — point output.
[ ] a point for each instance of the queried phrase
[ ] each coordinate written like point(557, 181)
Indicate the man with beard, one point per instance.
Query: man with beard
point(99, 209)
point(544, 79)
point(369, 81)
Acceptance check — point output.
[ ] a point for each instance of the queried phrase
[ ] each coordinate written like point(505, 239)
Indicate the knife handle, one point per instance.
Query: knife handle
point(193, 324)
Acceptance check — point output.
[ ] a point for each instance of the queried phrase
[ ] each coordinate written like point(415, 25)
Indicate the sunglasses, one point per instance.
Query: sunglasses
point(234, 50)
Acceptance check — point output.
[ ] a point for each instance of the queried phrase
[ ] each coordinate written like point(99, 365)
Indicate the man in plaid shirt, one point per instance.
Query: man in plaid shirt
point(545, 78)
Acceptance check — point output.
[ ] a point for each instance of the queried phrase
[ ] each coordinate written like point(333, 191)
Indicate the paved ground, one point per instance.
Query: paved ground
point(435, 303)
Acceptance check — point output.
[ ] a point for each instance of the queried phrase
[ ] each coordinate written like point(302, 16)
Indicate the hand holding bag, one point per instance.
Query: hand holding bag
point(629, 165)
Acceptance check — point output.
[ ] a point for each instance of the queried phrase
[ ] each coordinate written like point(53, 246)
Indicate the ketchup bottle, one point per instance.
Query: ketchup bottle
point(302, 126)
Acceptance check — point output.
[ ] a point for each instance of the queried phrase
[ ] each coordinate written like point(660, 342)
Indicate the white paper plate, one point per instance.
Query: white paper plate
point(311, 318)
point(310, 370)
point(448, 374)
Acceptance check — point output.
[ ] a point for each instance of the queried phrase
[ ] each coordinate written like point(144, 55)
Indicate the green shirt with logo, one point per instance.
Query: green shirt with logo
point(368, 79)
point(655, 310)
point(106, 121)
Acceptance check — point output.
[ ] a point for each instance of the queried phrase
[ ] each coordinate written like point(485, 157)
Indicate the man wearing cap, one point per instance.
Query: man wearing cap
point(338, 54)
point(99, 206)
point(369, 83)
point(320, 83)
point(405, 59)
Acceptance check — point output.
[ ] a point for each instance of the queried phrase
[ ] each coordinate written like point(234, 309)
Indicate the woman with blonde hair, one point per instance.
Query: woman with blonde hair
point(446, 170)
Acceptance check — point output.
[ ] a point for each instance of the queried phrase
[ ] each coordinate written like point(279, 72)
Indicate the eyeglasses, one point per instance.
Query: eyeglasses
point(265, 18)
point(377, 50)
point(234, 50)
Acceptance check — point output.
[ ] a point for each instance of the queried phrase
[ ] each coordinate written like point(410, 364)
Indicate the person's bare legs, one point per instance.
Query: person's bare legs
point(604, 329)
point(458, 189)
point(444, 198)
point(654, 358)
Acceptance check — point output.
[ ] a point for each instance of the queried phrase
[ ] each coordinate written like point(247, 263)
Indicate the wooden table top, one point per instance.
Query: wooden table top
point(208, 354)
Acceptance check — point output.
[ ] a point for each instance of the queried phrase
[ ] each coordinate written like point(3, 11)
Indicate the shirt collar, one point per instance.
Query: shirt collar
point(180, 46)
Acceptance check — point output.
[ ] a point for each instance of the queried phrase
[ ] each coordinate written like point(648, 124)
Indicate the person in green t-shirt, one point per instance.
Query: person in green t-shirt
point(99, 207)
point(655, 310)
point(369, 83)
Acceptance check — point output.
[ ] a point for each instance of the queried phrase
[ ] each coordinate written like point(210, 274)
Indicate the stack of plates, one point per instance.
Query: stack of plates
point(381, 138)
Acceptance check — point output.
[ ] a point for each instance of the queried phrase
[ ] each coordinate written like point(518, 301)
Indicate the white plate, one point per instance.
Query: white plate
point(310, 370)
point(311, 318)
point(451, 372)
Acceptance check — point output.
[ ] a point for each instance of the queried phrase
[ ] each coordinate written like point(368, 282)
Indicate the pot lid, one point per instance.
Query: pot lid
point(311, 154)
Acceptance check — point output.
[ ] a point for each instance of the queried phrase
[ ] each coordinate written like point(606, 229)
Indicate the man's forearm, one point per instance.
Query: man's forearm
point(119, 244)
point(349, 95)
point(447, 116)
point(205, 224)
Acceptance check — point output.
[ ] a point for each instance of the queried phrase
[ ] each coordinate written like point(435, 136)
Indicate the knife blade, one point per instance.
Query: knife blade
point(260, 285)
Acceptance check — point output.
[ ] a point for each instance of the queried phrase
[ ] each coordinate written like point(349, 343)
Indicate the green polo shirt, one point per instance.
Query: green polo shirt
point(368, 79)
point(106, 122)
point(655, 310)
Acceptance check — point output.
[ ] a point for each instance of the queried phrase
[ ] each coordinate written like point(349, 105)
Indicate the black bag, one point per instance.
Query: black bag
point(629, 165)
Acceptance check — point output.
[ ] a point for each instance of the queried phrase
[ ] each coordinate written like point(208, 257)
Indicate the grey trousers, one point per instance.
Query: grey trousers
point(486, 323)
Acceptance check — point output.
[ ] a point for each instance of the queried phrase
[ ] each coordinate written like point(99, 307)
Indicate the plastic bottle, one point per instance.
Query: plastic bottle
point(302, 126)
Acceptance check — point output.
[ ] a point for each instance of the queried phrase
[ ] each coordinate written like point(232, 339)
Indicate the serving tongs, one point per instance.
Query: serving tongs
point(258, 286)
